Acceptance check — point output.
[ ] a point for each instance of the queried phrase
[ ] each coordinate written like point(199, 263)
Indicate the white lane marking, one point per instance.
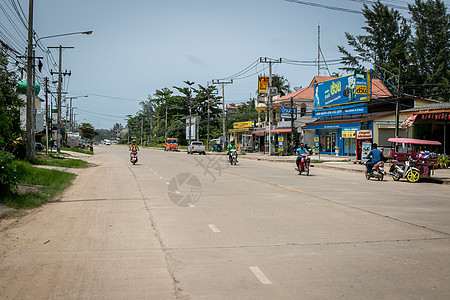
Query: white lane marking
point(177, 192)
point(167, 182)
point(191, 205)
point(160, 177)
point(213, 228)
point(260, 275)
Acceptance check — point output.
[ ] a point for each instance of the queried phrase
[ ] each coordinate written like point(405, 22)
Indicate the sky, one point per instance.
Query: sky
point(140, 46)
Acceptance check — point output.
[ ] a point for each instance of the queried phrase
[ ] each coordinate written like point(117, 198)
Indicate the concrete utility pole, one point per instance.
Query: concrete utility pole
point(60, 73)
point(46, 115)
point(30, 148)
point(397, 104)
point(223, 83)
point(270, 62)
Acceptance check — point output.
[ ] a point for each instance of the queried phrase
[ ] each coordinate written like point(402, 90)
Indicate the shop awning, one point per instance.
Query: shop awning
point(409, 121)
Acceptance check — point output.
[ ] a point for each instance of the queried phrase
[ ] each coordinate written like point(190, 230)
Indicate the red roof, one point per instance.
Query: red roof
point(379, 90)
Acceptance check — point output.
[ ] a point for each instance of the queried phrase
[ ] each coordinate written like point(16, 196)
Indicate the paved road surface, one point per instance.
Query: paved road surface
point(178, 226)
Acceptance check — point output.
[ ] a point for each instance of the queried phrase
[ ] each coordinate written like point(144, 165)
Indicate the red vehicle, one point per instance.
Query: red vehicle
point(171, 144)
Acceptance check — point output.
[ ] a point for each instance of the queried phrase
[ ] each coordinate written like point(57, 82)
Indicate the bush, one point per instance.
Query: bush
point(8, 173)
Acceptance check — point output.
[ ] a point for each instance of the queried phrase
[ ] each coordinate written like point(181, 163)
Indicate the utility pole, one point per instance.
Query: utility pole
point(270, 62)
point(30, 148)
point(397, 104)
point(292, 124)
point(224, 125)
point(46, 115)
point(60, 73)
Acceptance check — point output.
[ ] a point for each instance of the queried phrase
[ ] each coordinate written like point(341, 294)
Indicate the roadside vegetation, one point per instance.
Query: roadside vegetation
point(59, 162)
point(78, 150)
point(45, 184)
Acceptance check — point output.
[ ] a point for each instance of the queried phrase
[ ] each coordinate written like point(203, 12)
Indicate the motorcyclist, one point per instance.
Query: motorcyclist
point(231, 147)
point(376, 155)
point(301, 152)
point(133, 147)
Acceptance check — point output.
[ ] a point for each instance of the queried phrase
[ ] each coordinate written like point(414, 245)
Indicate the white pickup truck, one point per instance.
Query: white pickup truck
point(196, 147)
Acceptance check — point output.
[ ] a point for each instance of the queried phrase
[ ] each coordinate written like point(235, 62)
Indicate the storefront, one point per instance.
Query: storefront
point(241, 135)
point(334, 137)
point(430, 122)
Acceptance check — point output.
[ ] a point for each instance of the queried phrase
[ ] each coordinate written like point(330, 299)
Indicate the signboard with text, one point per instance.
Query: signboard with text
point(285, 113)
point(263, 84)
point(246, 124)
point(342, 91)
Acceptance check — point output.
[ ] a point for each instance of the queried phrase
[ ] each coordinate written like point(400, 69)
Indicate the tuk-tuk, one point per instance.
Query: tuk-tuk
point(414, 163)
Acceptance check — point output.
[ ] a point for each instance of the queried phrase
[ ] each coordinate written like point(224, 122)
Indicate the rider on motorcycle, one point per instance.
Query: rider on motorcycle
point(302, 153)
point(133, 147)
point(376, 155)
point(231, 147)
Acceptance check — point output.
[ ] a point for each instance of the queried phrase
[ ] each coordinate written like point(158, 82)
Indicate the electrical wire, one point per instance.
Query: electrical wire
point(326, 6)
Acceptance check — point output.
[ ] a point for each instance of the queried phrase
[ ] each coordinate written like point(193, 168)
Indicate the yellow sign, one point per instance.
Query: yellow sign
point(348, 134)
point(246, 124)
point(361, 90)
point(263, 84)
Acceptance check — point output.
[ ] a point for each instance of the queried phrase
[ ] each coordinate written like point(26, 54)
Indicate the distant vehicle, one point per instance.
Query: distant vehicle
point(196, 147)
point(39, 146)
point(108, 142)
point(171, 144)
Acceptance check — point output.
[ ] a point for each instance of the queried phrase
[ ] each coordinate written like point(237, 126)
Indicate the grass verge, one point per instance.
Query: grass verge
point(79, 150)
point(59, 162)
point(53, 182)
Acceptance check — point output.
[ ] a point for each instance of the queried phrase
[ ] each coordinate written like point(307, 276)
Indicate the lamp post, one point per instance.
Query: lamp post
point(60, 77)
point(71, 110)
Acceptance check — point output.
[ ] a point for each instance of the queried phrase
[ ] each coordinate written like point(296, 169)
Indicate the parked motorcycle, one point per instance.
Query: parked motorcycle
point(133, 158)
point(404, 170)
point(304, 166)
point(377, 171)
point(233, 157)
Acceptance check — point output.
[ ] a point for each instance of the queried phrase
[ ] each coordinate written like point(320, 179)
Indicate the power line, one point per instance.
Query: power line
point(326, 6)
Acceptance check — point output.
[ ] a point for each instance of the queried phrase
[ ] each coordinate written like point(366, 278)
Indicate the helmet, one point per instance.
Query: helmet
point(134, 141)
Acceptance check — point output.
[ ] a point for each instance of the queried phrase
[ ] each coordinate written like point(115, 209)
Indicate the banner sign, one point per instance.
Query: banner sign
point(263, 84)
point(343, 90)
point(363, 134)
point(285, 113)
point(316, 144)
point(280, 143)
point(341, 111)
point(246, 124)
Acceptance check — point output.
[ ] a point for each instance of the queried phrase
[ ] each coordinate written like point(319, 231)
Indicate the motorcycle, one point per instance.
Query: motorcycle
point(304, 166)
point(232, 157)
point(133, 158)
point(377, 171)
point(406, 170)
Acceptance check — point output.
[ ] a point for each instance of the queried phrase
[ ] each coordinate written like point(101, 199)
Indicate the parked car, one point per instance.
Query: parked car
point(196, 147)
point(38, 146)
point(108, 142)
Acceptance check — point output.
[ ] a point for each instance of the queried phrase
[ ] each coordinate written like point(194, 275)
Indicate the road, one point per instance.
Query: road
point(178, 226)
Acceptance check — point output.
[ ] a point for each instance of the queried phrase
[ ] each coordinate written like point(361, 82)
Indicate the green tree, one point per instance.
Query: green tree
point(385, 43)
point(282, 84)
point(10, 131)
point(87, 131)
point(430, 49)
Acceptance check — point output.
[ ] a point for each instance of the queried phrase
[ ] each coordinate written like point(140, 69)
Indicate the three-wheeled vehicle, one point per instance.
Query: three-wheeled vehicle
point(171, 144)
point(413, 164)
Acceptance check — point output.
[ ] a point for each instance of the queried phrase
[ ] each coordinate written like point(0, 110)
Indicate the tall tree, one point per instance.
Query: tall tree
point(9, 107)
point(87, 131)
point(384, 44)
point(282, 84)
point(431, 49)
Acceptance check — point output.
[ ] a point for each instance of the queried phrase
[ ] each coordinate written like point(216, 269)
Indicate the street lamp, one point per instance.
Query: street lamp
point(71, 110)
point(64, 34)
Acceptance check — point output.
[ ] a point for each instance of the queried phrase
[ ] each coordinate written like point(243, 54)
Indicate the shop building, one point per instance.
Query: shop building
point(343, 105)
point(429, 122)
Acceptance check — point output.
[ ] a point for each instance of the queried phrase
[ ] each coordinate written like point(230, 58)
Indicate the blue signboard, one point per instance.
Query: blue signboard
point(286, 113)
point(340, 111)
point(343, 90)
point(335, 126)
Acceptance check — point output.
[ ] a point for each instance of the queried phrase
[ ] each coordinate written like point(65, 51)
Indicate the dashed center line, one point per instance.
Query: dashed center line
point(213, 228)
point(260, 275)
point(288, 188)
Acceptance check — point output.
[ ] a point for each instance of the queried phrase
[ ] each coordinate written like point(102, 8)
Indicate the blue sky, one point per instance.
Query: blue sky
point(138, 47)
